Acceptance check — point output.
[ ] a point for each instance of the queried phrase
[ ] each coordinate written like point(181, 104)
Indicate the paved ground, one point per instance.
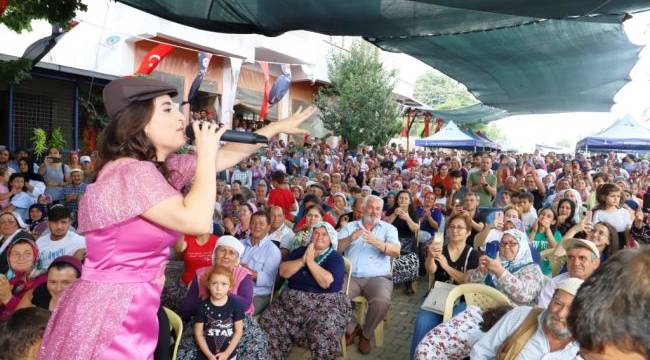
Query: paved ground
point(397, 333)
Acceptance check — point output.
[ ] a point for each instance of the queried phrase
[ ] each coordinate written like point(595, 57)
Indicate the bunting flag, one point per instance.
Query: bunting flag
point(407, 121)
point(204, 61)
point(153, 58)
point(39, 48)
point(264, 109)
point(425, 131)
point(438, 124)
point(281, 85)
point(230, 78)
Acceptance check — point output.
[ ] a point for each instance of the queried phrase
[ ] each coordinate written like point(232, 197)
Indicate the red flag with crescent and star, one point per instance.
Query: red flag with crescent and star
point(153, 58)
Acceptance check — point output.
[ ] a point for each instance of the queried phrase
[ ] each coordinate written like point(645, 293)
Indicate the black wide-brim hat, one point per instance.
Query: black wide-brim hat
point(120, 93)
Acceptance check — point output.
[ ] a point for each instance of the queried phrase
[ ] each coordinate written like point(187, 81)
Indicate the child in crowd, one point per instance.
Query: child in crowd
point(529, 214)
point(544, 235)
point(219, 325)
point(610, 211)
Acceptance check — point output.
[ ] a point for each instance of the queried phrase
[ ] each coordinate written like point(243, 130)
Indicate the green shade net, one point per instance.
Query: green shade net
point(507, 54)
point(470, 114)
point(542, 67)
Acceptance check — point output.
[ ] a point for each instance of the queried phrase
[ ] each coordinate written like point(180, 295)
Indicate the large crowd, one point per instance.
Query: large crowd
point(301, 229)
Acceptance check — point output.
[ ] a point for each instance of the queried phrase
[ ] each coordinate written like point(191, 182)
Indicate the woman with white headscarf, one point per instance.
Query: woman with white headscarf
point(313, 311)
point(227, 253)
point(574, 196)
point(513, 272)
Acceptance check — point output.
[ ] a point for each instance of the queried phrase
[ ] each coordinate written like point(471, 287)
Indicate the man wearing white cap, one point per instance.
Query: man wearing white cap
point(527, 333)
point(583, 258)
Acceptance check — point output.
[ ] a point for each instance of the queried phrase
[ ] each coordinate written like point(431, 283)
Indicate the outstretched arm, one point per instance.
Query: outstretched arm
point(232, 153)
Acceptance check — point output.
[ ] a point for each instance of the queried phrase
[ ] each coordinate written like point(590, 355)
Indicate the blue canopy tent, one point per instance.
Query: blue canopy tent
point(450, 136)
point(625, 134)
point(492, 145)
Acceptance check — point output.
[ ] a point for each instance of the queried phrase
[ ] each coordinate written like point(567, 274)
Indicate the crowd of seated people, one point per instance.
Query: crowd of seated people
point(288, 219)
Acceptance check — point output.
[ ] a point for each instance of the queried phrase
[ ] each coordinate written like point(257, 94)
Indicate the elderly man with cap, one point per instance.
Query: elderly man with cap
point(583, 258)
point(609, 315)
point(73, 191)
point(526, 333)
point(87, 167)
point(133, 213)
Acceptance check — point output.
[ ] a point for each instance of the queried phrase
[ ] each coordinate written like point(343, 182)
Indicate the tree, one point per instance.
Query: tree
point(18, 16)
point(440, 92)
point(358, 105)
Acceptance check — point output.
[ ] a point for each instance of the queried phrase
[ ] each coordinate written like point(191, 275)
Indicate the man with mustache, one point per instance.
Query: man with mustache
point(609, 316)
point(369, 243)
point(583, 258)
point(527, 333)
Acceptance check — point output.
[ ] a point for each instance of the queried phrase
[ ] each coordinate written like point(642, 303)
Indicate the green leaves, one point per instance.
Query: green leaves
point(358, 105)
point(15, 70)
point(20, 13)
point(39, 142)
point(441, 92)
point(18, 17)
point(57, 139)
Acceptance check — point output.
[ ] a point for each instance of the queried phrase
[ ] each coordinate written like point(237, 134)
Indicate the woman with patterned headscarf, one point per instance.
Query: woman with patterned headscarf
point(23, 275)
point(513, 272)
point(313, 311)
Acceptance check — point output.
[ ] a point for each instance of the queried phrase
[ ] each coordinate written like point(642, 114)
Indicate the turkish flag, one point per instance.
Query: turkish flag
point(264, 109)
point(153, 58)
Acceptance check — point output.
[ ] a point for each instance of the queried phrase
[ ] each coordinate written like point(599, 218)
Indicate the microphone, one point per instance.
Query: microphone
point(232, 136)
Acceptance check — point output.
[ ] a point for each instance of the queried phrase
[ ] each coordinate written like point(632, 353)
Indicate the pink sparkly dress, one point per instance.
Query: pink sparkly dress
point(110, 313)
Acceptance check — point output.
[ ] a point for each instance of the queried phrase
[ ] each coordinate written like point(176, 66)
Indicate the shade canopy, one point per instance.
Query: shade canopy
point(450, 136)
point(625, 134)
point(516, 57)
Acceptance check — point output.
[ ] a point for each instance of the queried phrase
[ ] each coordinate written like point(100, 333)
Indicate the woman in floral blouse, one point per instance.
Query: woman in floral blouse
point(514, 273)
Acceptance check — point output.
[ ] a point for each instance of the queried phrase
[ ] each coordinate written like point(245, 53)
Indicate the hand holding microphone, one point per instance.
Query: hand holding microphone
point(206, 137)
point(228, 135)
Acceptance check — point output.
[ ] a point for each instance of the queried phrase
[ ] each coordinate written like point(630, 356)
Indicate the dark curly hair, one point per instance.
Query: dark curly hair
point(124, 136)
point(611, 306)
point(23, 329)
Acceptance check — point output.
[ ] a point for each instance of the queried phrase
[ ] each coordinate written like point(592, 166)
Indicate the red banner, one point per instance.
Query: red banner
point(407, 121)
point(264, 109)
point(153, 58)
point(427, 119)
point(3, 6)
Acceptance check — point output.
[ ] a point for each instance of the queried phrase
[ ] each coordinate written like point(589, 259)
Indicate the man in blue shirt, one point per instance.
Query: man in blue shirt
point(370, 244)
point(262, 257)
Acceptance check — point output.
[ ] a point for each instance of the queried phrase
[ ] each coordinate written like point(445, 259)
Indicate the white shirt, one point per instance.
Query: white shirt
point(620, 219)
point(537, 347)
point(529, 218)
point(284, 236)
point(48, 249)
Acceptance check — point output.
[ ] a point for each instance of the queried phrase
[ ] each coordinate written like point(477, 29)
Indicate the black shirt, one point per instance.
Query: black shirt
point(459, 264)
point(218, 324)
point(42, 297)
